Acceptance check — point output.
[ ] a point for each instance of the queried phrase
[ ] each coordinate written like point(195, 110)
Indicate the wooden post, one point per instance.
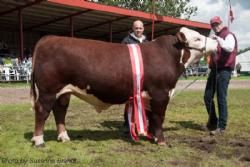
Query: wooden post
point(20, 35)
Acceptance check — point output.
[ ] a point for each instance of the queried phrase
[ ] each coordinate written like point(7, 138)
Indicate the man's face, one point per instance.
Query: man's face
point(138, 28)
point(216, 27)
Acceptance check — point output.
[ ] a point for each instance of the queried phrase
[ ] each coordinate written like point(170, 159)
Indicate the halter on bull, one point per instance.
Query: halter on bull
point(100, 73)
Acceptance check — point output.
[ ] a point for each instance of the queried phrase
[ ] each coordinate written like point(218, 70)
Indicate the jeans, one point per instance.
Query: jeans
point(217, 82)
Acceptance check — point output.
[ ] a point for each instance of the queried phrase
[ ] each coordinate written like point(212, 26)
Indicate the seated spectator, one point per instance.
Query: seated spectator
point(14, 61)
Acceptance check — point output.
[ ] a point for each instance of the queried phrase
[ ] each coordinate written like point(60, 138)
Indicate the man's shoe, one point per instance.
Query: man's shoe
point(211, 127)
point(217, 131)
point(126, 128)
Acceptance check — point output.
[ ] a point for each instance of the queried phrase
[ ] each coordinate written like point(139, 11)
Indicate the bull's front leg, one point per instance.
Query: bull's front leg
point(158, 104)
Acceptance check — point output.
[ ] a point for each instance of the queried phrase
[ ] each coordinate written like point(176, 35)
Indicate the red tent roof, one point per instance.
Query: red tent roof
point(89, 20)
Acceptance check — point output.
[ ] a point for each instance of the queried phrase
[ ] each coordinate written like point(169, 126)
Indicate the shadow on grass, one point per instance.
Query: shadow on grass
point(189, 125)
point(118, 125)
point(111, 130)
point(171, 129)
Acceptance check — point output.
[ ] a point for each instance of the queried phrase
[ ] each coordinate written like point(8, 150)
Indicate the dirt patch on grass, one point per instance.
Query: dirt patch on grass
point(201, 84)
point(224, 147)
point(14, 95)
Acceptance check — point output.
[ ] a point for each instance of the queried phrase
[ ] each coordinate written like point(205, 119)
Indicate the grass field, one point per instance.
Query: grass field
point(14, 85)
point(98, 139)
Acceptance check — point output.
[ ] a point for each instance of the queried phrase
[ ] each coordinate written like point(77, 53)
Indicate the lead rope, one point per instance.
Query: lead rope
point(191, 83)
point(187, 86)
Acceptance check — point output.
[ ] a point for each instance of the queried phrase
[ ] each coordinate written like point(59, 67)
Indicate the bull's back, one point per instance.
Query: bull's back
point(60, 51)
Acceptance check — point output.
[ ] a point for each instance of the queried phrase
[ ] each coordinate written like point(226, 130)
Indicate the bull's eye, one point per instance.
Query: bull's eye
point(197, 39)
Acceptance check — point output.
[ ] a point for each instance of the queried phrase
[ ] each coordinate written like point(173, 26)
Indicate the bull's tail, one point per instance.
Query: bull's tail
point(33, 89)
point(33, 94)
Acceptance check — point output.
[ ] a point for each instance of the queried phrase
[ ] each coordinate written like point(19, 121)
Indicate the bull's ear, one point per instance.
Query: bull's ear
point(181, 37)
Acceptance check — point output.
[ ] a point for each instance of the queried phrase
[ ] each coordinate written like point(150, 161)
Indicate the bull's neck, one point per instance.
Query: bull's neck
point(177, 51)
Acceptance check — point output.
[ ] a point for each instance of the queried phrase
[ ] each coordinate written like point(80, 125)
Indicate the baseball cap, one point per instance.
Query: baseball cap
point(215, 19)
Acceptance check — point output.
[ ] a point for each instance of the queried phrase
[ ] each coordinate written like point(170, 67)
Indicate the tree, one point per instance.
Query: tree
point(175, 8)
point(243, 50)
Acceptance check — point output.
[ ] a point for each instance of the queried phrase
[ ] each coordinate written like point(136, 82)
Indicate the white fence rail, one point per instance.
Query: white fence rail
point(19, 72)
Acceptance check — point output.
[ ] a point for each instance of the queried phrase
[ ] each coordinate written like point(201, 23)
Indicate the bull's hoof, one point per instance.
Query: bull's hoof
point(161, 143)
point(38, 141)
point(39, 146)
point(63, 136)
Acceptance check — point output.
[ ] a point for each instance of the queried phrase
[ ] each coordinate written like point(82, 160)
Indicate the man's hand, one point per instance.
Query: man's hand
point(217, 38)
point(213, 36)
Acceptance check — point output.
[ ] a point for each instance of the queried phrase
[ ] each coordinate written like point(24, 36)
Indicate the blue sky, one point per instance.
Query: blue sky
point(241, 10)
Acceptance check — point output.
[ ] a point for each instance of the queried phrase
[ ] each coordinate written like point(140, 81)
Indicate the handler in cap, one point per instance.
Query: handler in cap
point(222, 64)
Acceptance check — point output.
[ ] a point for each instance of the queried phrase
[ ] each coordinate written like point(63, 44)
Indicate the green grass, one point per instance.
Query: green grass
point(14, 85)
point(98, 140)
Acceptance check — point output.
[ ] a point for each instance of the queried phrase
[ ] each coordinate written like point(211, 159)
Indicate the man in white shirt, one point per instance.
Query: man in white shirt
point(222, 64)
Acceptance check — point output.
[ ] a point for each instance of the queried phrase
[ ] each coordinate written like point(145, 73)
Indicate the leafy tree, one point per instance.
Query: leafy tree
point(243, 50)
point(175, 8)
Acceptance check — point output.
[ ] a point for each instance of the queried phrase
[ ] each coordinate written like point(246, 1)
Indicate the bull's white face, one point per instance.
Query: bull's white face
point(195, 40)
